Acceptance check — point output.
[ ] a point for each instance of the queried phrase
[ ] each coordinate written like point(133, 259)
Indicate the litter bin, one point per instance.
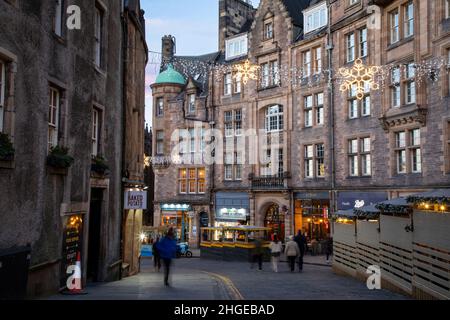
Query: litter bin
point(14, 264)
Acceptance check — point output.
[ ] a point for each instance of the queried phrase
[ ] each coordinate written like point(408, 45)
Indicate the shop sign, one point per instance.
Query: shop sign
point(72, 244)
point(175, 207)
point(135, 200)
point(232, 214)
point(312, 195)
point(356, 200)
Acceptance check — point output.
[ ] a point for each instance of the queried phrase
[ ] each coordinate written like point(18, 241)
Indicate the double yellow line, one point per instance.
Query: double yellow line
point(232, 290)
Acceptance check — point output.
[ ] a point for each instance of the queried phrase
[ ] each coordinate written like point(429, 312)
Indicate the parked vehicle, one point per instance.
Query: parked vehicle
point(183, 250)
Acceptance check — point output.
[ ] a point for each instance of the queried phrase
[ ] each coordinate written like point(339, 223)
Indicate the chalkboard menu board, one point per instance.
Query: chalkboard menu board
point(72, 241)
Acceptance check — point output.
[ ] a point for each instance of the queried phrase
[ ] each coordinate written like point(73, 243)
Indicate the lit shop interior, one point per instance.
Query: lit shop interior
point(312, 217)
point(232, 210)
point(177, 216)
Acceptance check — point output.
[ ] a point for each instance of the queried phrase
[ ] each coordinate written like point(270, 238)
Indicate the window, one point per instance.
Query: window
point(268, 30)
point(353, 157)
point(395, 27)
point(359, 151)
point(403, 85)
point(409, 19)
point(447, 9)
point(2, 93)
point(363, 47)
point(316, 17)
point(237, 84)
point(448, 70)
point(227, 84)
point(395, 87)
point(236, 47)
point(59, 17)
point(238, 165)
point(357, 44)
point(191, 108)
point(351, 47)
point(95, 131)
point(320, 164)
point(402, 22)
point(238, 122)
point(160, 107)
point(270, 74)
point(159, 142)
point(273, 166)
point(317, 67)
point(366, 159)
point(408, 151)
point(314, 161)
point(192, 180)
point(357, 108)
point(306, 64)
point(53, 117)
point(308, 111)
point(410, 83)
point(98, 36)
point(319, 109)
point(274, 119)
point(352, 2)
point(233, 166)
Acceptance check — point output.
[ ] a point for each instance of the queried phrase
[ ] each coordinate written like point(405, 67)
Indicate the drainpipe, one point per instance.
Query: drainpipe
point(124, 105)
point(331, 113)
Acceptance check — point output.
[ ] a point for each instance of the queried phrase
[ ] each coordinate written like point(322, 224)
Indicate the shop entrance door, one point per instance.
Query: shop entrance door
point(275, 220)
point(94, 234)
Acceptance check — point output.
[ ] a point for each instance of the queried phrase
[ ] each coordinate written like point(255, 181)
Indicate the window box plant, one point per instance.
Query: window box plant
point(59, 158)
point(6, 148)
point(99, 165)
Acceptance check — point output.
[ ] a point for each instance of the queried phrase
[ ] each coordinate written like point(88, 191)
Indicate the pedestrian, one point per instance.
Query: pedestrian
point(329, 247)
point(258, 252)
point(292, 252)
point(156, 256)
point(275, 250)
point(167, 248)
point(300, 239)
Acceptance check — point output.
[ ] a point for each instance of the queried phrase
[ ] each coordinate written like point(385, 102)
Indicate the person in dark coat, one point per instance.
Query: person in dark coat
point(257, 254)
point(329, 249)
point(156, 256)
point(300, 239)
point(167, 248)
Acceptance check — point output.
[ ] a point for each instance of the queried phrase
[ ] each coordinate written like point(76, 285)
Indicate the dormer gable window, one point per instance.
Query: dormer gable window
point(191, 103)
point(315, 17)
point(236, 47)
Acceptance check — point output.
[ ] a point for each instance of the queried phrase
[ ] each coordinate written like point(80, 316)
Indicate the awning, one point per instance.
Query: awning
point(349, 199)
point(367, 212)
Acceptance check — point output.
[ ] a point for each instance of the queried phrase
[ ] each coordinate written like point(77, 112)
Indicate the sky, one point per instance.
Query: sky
point(193, 23)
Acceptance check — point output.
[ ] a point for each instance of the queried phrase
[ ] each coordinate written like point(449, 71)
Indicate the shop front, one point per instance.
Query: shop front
point(232, 210)
point(179, 216)
point(355, 200)
point(312, 214)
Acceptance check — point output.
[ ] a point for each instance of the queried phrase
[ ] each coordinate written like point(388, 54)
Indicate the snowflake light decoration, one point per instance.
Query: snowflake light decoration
point(359, 77)
point(246, 71)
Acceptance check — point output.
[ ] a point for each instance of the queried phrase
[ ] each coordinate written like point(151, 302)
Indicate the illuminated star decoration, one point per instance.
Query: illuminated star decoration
point(361, 77)
point(246, 71)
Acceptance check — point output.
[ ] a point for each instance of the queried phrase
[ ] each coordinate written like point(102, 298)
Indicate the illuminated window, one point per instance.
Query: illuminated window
point(192, 180)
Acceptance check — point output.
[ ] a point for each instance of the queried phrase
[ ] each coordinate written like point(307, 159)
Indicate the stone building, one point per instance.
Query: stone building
point(64, 88)
point(329, 150)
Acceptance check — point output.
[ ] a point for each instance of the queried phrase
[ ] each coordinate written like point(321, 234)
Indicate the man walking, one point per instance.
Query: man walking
point(167, 248)
point(301, 242)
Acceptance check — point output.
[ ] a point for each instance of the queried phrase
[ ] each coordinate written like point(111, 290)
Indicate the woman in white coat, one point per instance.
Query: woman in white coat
point(292, 251)
point(275, 250)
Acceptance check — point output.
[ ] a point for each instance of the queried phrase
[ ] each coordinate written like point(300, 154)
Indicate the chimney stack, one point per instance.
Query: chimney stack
point(168, 49)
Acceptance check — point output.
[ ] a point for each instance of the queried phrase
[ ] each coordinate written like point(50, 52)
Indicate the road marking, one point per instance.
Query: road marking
point(234, 292)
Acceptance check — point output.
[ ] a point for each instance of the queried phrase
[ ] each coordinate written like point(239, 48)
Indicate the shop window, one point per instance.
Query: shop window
point(311, 216)
point(275, 220)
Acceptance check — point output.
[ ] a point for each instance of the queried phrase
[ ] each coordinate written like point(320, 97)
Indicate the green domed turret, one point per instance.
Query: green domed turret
point(170, 75)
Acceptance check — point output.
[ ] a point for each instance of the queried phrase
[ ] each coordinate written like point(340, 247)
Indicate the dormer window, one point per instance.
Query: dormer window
point(236, 47)
point(316, 17)
point(268, 30)
point(191, 108)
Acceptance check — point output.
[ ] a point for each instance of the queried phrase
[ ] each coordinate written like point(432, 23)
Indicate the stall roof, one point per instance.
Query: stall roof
point(345, 213)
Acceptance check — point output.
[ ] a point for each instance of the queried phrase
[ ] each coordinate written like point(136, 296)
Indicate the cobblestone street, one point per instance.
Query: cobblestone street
point(199, 279)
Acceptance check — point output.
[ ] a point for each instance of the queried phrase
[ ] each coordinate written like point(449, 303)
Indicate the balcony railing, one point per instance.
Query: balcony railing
point(270, 182)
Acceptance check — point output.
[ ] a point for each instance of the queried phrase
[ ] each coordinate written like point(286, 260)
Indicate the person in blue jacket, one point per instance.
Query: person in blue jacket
point(167, 248)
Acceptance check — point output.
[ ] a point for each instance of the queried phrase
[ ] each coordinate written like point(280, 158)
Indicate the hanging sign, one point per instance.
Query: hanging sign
point(135, 200)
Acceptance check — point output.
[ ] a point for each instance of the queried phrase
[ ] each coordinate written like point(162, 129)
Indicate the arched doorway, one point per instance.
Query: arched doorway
point(275, 220)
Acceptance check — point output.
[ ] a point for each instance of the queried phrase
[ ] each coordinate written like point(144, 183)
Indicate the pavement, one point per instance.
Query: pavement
point(201, 279)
